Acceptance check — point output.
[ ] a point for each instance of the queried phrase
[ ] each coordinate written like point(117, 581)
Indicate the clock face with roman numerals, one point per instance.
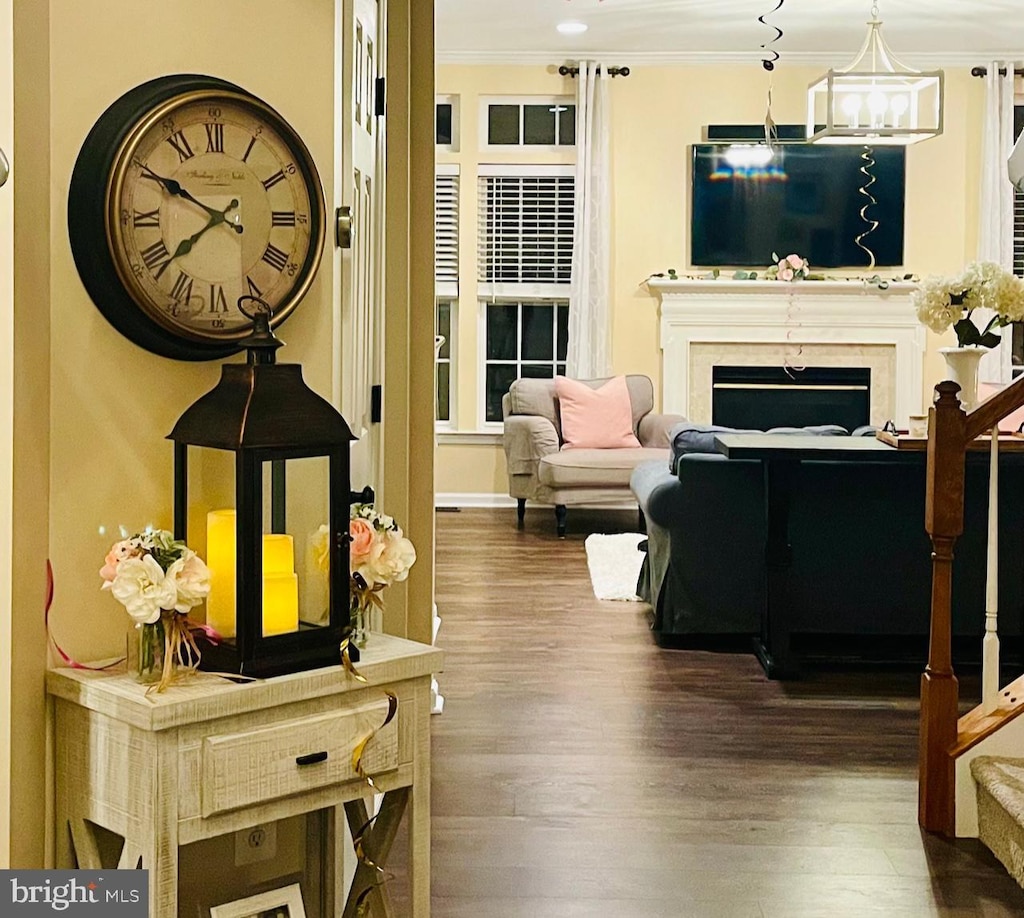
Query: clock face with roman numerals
point(208, 196)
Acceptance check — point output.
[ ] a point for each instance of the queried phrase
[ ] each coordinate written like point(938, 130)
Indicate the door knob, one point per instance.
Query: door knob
point(344, 229)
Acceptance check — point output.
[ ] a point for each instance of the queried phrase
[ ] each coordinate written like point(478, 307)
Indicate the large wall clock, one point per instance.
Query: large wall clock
point(188, 193)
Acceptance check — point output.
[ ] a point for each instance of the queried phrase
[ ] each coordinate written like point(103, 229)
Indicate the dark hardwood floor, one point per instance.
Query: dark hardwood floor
point(579, 770)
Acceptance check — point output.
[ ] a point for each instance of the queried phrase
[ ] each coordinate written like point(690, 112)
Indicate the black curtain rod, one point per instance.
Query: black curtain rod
point(566, 70)
point(983, 71)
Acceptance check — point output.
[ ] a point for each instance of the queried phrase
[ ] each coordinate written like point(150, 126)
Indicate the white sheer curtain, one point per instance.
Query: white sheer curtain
point(589, 348)
point(995, 236)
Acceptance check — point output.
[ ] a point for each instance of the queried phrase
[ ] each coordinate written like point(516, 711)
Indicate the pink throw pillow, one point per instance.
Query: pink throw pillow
point(595, 418)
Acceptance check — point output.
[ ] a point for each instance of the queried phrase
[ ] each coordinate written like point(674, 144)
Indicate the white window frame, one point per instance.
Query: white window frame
point(483, 122)
point(447, 291)
point(454, 101)
point(489, 292)
point(481, 407)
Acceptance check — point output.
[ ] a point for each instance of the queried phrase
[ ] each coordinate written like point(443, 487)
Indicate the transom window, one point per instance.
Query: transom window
point(446, 123)
point(537, 121)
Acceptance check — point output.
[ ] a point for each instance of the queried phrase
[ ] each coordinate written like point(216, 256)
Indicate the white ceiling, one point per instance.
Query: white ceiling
point(921, 31)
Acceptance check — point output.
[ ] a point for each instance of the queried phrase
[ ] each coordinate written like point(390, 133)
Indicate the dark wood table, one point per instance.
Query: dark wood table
point(781, 456)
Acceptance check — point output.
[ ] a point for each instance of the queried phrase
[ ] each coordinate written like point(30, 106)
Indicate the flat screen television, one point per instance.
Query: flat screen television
point(805, 200)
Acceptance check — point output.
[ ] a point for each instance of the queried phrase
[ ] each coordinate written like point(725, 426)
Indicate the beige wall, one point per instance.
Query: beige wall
point(113, 400)
point(92, 410)
point(657, 113)
point(6, 411)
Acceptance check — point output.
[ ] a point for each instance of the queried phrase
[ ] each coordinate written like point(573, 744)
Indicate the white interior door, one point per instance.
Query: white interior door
point(361, 192)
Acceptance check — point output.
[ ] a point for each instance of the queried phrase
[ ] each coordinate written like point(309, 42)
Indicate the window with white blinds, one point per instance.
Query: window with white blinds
point(1017, 335)
point(525, 230)
point(1018, 233)
point(446, 231)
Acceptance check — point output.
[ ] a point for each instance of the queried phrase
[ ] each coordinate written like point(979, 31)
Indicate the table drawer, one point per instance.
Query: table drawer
point(278, 760)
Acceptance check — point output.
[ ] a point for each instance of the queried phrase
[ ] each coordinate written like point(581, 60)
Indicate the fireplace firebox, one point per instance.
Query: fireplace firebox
point(758, 398)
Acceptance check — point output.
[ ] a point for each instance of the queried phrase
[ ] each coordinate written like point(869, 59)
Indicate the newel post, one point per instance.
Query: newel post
point(944, 521)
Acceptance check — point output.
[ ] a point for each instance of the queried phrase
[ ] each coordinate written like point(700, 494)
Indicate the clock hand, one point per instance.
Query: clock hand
point(175, 188)
point(216, 218)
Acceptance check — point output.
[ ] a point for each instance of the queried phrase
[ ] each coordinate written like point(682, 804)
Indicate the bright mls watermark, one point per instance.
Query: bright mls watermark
point(84, 893)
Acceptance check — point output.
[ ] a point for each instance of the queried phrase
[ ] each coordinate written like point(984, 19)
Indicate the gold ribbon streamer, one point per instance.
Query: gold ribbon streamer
point(357, 753)
point(382, 876)
point(867, 161)
point(346, 660)
point(181, 653)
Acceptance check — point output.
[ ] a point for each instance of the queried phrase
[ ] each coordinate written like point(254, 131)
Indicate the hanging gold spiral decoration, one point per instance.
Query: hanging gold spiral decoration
point(867, 162)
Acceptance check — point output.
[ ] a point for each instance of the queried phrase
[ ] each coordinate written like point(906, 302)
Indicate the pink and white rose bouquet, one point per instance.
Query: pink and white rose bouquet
point(791, 268)
point(379, 555)
point(152, 572)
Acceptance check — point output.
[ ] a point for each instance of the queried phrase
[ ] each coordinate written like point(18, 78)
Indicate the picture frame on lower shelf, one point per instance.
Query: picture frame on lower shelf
point(285, 902)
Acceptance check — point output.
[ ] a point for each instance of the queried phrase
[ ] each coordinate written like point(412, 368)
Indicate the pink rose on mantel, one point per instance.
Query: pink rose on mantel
point(788, 269)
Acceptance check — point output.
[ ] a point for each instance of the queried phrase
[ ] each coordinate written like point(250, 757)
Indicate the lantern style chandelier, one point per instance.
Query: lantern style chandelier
point(876, 99)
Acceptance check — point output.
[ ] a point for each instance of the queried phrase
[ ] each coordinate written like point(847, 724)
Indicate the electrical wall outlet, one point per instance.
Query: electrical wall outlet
point(258, 843)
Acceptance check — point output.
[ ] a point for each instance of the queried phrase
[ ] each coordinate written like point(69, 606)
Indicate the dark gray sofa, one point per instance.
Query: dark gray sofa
point(861, 556)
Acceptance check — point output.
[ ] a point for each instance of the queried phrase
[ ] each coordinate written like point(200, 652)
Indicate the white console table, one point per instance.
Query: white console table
point(812, 323)
point(208, 757)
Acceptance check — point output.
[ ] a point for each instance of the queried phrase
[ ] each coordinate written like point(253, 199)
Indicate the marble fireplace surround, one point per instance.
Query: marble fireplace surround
point(708, 323)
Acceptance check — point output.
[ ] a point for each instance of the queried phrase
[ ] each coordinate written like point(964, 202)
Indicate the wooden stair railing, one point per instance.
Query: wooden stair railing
point(950, 430)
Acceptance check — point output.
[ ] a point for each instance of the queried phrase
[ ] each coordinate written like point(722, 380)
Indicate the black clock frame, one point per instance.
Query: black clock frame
point(87, 208)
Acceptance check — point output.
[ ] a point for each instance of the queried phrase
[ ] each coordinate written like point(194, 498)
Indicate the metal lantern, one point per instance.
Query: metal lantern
point(277, 542)
point(876, 99)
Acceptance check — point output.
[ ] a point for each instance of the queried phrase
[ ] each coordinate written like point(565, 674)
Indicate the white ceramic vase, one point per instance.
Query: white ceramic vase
point(962, 368)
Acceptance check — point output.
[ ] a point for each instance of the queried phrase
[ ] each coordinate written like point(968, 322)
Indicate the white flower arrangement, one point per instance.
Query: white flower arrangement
point(159, 580)
point(152, 572)
point(949, 302)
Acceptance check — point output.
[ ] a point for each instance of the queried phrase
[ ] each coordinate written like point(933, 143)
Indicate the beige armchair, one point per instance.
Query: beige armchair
point(538, 468)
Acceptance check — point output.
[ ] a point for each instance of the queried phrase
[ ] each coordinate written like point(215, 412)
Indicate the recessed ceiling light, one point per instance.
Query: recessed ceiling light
point(572, 28)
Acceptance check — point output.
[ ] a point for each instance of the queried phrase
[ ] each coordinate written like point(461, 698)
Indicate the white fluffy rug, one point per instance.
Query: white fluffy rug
point(614, 564)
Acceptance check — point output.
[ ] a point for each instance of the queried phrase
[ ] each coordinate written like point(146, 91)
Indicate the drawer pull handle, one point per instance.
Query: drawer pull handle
point(314, 758)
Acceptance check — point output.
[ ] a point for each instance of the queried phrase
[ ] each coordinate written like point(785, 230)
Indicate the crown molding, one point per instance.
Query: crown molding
point(922, 60)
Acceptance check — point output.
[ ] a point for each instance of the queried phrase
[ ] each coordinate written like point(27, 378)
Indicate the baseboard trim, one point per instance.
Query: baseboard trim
point(472, 499)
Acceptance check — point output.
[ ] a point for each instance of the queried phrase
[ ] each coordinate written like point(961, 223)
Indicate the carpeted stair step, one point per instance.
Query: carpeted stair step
point(1000, 789)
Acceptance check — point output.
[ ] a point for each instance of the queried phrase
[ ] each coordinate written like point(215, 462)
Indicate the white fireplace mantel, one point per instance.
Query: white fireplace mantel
point(703, 317)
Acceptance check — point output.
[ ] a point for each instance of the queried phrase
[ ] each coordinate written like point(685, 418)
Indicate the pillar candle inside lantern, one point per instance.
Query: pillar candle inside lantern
point(278, 554)
point(280, 583)
point(220, 559)
point(280, 604)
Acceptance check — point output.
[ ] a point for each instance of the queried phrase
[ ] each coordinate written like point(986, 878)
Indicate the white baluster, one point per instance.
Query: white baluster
point(990, 644)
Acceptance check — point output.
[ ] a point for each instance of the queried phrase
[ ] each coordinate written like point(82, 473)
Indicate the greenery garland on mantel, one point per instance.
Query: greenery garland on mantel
point(875, 280)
